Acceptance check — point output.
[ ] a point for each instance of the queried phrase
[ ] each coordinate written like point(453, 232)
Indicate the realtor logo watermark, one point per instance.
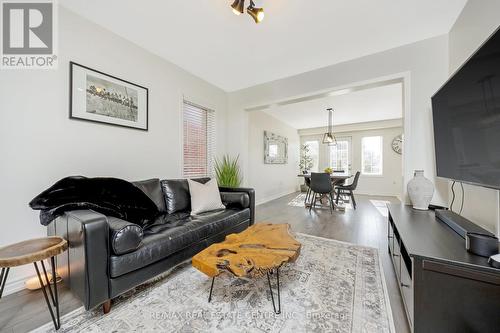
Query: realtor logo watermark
point(28, 34)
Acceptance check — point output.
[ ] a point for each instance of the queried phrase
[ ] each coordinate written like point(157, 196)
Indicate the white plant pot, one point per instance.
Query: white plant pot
point(420, 190)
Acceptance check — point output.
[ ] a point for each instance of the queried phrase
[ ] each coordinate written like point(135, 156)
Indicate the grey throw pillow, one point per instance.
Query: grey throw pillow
point(204, 197)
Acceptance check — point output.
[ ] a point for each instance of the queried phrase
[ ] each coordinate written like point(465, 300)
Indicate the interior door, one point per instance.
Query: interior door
point(341, 154)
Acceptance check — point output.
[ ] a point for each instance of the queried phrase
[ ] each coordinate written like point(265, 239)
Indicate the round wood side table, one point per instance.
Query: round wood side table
point(31, 251)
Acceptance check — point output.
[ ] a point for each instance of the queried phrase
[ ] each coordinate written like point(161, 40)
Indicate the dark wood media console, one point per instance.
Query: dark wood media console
point(444, 287)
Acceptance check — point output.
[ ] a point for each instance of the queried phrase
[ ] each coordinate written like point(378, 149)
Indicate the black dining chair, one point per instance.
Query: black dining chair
point(321, 184)
point(307, 181)
point(347, 190)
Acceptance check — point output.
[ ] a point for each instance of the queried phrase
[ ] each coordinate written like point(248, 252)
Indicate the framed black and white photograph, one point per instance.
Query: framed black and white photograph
point(103, 98)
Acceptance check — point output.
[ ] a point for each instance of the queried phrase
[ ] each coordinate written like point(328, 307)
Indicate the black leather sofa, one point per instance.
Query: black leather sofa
point(108, 256)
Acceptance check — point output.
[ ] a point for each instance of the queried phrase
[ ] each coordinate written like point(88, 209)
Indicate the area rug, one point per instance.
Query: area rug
point(332, 287)
point(298, 201)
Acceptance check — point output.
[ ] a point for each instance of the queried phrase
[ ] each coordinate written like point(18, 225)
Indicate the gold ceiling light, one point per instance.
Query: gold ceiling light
point(238, 7)
point(256, 13)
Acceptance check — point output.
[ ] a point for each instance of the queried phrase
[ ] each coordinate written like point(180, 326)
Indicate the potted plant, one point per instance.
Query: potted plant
point(228, 171)
point(306, 163)
point(329, 170)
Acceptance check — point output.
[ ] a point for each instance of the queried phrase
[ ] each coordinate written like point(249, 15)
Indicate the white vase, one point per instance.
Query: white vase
point(420, 190)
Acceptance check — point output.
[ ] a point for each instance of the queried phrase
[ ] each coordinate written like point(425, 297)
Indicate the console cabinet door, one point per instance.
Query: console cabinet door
point(406, 284)
point(452, 298)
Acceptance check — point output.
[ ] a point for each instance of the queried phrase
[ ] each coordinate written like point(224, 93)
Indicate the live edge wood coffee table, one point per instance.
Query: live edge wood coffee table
point(260, 249)
point(31, 251)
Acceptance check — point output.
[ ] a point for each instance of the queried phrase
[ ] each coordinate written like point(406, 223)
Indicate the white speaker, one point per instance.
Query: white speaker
point(494, 261)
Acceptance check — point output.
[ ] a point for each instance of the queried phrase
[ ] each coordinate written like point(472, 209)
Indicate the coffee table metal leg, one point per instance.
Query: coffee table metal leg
point(271, 290)
point(55, 320)
point(211, 289)
point(54, 281)
point(48, 282)
point(3, 279)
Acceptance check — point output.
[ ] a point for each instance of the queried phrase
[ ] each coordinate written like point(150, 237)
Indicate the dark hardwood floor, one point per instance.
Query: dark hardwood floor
point(26, 310)
point(364, 226)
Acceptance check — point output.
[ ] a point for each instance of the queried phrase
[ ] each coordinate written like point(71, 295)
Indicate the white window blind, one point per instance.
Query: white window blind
point(371, 155)
point(199, 140)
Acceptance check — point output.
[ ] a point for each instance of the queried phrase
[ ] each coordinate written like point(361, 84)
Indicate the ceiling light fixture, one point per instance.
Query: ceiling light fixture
point(329, 137)
point(238, 7)
point(257, 13)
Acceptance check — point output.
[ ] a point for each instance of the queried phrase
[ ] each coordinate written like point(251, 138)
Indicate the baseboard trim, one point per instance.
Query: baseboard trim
point(275, 196)
point(377, 194)
point(13, 286)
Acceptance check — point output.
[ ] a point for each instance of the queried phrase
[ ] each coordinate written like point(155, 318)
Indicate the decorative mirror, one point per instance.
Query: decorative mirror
point(275, 148)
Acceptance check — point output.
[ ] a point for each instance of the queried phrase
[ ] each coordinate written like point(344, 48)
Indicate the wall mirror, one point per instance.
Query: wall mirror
point(275, 148)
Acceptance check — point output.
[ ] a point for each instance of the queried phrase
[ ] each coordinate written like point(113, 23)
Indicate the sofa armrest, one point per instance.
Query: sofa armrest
point(85, 265)
point(226, 191)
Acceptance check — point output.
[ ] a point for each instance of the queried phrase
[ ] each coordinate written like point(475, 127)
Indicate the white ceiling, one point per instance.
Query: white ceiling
point(232, 52)
point(380, 103)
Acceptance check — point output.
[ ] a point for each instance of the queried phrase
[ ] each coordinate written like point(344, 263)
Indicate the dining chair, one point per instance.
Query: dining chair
point(347, 190)
point(307, 181)
point(338, 181)
point(321, 184)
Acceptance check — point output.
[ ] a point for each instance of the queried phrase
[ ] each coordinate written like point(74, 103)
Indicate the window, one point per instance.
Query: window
point(371, 155)
point(314, 153)
point(339, 155)
point(199, 140)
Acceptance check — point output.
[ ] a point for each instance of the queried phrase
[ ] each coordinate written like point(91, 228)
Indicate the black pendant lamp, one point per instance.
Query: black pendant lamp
point(329, 137)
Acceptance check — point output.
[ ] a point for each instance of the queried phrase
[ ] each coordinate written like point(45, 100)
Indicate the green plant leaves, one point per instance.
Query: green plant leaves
point(306, 160)
point(228, 171)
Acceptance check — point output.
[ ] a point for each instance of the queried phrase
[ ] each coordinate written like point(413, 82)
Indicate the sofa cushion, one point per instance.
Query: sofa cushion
point(204, 197)
point(152, 188)
point(124, 236)
point(176, 193)
point(171, 233)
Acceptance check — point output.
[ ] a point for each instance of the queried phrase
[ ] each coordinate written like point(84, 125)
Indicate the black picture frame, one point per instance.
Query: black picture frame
point(72, 66)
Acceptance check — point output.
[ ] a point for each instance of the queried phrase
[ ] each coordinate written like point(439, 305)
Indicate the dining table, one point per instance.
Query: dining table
point(337, 178)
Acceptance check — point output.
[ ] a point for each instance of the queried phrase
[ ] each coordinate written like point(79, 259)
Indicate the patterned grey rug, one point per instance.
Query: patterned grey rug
point(332, 287)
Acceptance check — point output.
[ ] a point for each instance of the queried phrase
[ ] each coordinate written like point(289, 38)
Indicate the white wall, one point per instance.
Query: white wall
point(39, 144)
point(424, 66)
point(390, 183)
point(271, 181)
point(478, 20)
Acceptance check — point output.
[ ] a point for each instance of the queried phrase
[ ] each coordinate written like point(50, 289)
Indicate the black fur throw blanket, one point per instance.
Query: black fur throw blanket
point(109, 196)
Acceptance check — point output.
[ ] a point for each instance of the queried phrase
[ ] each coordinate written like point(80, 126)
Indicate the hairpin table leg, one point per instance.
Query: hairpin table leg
point(53, 294)
point(278, 311)
point(3, 279)
point(211, 289)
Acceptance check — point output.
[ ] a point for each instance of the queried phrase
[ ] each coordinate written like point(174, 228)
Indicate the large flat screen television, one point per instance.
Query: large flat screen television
point(466, 115)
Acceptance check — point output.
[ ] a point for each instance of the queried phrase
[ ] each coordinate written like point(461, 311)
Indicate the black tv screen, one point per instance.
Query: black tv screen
point(466, 115)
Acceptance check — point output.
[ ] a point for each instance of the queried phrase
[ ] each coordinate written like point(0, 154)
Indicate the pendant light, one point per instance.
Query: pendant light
point(329, 137)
